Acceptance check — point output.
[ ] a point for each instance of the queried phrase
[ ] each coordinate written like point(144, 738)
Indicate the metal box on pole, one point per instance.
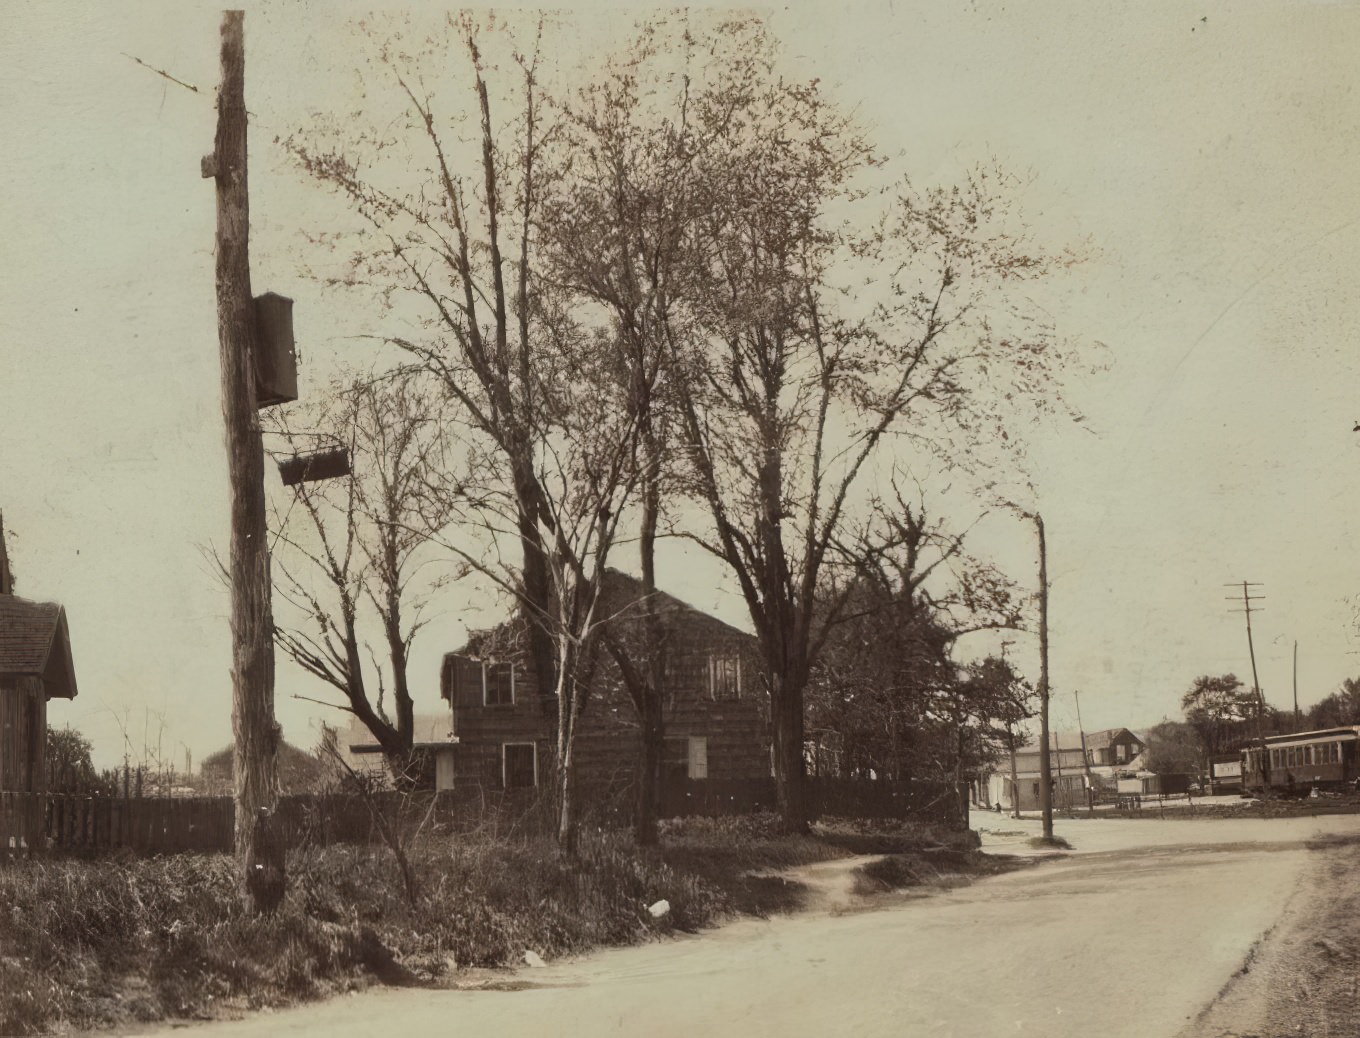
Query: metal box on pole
point(276, 362)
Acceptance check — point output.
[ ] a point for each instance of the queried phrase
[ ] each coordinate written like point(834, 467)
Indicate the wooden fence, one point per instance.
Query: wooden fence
point(148, 825)
point(169, 825)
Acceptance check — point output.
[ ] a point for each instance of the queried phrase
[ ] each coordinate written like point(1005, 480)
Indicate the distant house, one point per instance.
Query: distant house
point(431, 740)
point(504, 719)
point(1076, 761)
point(298, 771)
point(35, 666)
point(1114, 750)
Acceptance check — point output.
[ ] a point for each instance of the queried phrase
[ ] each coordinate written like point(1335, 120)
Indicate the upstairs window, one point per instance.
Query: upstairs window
point(724, 677)
point(498, 684)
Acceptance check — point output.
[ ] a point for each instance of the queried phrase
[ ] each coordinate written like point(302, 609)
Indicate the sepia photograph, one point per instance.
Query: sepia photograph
point(803, 520)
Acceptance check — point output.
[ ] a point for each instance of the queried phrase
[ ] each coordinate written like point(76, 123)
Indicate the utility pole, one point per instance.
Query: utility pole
point(252, 625)
point(1248, 598)
point(1064, 794)
point(1085, 757)
point(1297, 721)
point(1010, 740)
point(1045, 763)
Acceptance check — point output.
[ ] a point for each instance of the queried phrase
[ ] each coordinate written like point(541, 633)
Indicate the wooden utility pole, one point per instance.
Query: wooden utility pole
point(1085, 757)
point(1010, 740)
point(1296, 685)
point(252, 625)
point(1247, 602)
point(1045, 763)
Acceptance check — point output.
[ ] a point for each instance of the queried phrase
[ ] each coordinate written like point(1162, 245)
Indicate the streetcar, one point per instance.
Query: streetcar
point(1302, 761)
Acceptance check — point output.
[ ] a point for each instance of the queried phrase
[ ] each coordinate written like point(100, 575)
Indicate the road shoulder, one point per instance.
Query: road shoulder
point(1301, 977)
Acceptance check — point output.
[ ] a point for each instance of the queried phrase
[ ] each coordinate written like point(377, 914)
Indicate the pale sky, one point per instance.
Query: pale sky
point(1209, 155)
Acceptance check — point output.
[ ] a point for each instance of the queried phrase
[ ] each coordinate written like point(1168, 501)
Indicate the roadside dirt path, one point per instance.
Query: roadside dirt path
point(1303, 978)
point(1131, 939)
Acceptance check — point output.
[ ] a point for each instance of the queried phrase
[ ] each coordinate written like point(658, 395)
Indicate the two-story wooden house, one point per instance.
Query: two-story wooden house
point(504, 721)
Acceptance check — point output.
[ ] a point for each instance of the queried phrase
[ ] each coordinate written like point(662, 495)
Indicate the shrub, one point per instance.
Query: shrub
point(126, 940)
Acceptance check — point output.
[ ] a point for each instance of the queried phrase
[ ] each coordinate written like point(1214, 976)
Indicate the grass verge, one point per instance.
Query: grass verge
point(940, 867)
point(121, 940)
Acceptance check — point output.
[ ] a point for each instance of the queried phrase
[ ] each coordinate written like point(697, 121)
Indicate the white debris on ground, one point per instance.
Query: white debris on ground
point(532, 958)
point(660, 910)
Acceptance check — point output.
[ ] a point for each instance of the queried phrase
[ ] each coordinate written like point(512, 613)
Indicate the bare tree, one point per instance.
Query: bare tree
point(449, 242)
point(707, 229)
point(621, 206)
point(552, 439)
point(791, 389)
point(358, 545)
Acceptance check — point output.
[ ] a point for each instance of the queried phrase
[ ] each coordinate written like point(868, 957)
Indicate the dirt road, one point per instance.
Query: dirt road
point(1134, 934)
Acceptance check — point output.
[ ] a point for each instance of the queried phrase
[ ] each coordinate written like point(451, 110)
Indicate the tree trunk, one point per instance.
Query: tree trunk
point(567, 711)
point(1015, 778)
point(649, 791)
point(650, 778)
point(396, 652)
point(537, 587)
point(1045, 762)
point(252, 626)
point(786, 716)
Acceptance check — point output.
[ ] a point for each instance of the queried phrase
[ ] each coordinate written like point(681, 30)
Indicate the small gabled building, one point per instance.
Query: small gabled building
point(432, 745)
point(504, 724)
point(35, 666)
point(1114, 749)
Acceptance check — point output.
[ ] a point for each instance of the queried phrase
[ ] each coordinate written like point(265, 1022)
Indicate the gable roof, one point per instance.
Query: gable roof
point(1107, 737)
point(35, 642)
point(622, 595)
point(427, 730)
point(1071, 740)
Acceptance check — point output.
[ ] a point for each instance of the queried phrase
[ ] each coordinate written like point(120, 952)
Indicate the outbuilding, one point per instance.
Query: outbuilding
point(35, 666)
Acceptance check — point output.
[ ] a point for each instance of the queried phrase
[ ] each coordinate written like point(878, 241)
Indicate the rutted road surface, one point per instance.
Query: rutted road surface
point(1133, 935)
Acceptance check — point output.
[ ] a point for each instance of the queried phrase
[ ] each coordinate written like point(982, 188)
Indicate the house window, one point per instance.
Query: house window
point(519, 765)
point(498, 684)
point(685, 757)
point(724, 677)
